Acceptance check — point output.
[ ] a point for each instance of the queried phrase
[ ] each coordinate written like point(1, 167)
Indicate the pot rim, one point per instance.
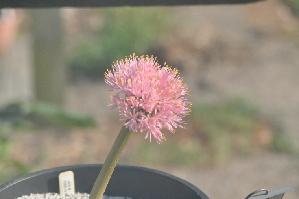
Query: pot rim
point(126, 167)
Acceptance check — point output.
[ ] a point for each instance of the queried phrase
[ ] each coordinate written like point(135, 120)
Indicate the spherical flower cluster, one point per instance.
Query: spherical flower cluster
point(149, 97)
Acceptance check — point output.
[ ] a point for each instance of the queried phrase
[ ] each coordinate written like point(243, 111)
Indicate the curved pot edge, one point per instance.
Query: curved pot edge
point(130, 167)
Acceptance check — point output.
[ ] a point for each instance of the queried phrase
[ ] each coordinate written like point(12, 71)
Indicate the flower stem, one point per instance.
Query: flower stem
point(106, 172)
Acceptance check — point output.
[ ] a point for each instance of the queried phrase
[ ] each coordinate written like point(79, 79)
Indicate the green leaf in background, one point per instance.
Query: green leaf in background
point(27, 115)
point(125, 31)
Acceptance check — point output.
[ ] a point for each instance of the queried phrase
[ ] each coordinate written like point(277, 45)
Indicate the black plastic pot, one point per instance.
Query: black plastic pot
point(130, 181)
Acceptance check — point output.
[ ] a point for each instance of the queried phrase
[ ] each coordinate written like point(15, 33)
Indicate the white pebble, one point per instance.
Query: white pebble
point(65, 196)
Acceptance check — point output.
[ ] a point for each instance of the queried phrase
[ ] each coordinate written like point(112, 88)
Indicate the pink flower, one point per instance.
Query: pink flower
point(149, 97)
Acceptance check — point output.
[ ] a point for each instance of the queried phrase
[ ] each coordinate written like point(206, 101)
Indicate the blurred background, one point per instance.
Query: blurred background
point(241, 64)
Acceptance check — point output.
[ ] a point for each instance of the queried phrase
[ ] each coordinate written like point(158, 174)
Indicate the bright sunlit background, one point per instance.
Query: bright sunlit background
point(241, 64)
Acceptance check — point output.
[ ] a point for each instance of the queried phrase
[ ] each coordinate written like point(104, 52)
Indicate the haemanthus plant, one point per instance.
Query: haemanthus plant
point(149, 97)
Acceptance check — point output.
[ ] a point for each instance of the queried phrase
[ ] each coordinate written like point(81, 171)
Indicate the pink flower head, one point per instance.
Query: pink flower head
point(149, 97)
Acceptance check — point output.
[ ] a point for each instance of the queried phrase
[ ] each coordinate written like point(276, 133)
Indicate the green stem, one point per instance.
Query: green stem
point(103, 178)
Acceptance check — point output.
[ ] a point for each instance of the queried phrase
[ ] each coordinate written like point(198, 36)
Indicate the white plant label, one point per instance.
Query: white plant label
point(67, 182)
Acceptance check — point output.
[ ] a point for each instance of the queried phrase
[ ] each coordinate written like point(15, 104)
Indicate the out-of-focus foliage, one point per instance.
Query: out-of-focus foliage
point(218, 131)
point(9, 166)
point(124, 32)
point(282, 143)
point(294, 4)
point(236, 127)
point(26, 115)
